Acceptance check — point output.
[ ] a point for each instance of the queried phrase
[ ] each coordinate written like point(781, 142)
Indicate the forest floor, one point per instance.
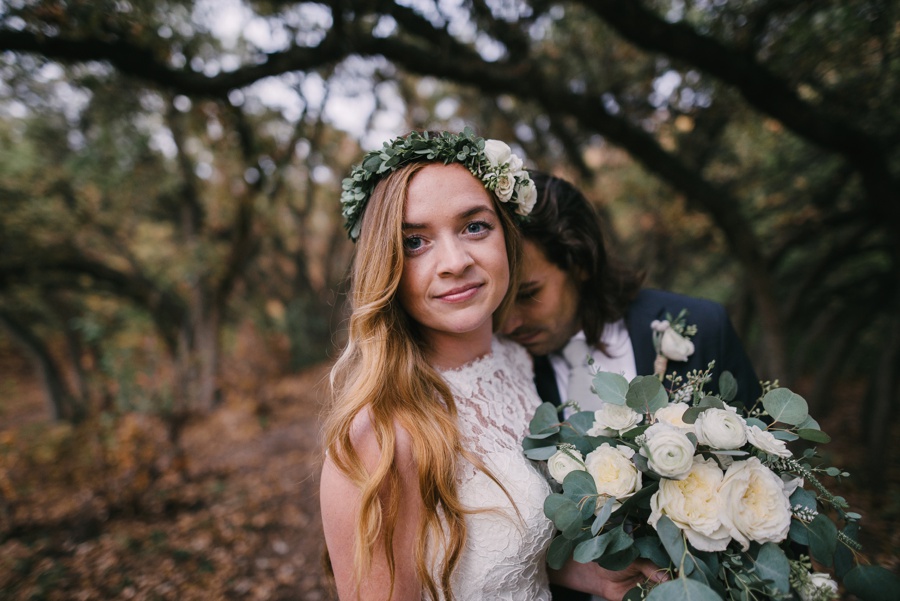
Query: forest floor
point(108, 511)
point(235, 517)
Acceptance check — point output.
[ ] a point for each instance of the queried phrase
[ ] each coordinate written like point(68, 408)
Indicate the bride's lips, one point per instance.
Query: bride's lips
point(460, 293)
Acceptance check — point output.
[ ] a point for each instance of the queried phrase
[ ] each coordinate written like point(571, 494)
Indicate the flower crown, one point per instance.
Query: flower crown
point(491, 161)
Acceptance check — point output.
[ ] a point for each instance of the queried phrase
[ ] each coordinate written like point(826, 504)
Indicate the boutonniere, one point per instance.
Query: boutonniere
point(671, 339)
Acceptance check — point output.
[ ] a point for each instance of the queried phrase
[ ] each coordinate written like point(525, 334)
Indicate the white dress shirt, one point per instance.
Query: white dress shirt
point(620, 359)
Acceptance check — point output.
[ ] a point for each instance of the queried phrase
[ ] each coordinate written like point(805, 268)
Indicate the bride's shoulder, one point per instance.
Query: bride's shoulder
point(514, 354)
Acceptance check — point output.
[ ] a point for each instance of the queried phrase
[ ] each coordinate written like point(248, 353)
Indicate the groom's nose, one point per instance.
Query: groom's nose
point(513, 321)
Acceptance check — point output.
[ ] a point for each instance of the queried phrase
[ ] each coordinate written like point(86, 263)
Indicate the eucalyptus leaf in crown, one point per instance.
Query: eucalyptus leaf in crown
point(491, 161)
point(703, 486)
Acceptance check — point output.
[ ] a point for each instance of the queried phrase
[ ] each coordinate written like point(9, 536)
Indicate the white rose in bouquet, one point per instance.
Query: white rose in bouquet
point(755, 505)
point(820, 586)
point(497, 152)
point(614, 474)
point(620, 418)
point(672, 414)
point(764, 441)
point(694, 505)
point(564, 461)
point(721, 429)
point(674, 346)
point(669, 452)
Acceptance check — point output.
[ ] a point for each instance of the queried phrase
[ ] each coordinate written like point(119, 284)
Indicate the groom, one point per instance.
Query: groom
point(574, 301)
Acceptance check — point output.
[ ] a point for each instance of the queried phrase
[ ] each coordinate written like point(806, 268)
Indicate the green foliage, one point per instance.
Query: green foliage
point(682, 589)
point(785, 406)
point(611, 387)
point(646, 394)
point(872, 583)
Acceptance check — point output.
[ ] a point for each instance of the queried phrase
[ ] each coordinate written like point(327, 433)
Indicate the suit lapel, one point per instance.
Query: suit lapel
point(641, 312)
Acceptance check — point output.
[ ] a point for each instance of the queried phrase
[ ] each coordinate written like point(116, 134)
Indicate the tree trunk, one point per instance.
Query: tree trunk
point(884, 391)
point(62, 404)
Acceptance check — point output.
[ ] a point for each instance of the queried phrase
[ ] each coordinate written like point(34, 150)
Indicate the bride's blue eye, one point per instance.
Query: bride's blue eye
point(478, 227)
point(412, 243)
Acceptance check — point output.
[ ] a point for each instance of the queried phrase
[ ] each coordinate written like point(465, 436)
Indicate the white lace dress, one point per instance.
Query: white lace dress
point(505, 555)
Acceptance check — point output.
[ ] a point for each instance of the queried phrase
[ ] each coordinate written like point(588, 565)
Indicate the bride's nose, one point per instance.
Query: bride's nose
point(454, 257)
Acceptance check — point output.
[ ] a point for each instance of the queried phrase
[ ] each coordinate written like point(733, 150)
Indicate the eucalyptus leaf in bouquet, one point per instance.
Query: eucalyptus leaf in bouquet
point(704, 486)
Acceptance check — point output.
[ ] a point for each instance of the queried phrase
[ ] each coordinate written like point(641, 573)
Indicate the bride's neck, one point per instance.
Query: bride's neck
point(452, 351)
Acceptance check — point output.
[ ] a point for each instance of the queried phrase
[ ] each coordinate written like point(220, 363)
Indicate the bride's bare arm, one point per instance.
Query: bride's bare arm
point(591, 578)
point(340, 501)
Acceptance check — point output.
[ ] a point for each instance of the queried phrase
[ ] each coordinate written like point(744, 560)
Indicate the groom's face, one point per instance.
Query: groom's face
point(545, 314)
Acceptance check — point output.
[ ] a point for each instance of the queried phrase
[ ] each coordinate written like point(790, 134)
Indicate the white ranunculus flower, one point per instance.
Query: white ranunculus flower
point(620, 418)
point(614, 474)
point(764, 441)
point(505, 186)
point(668, 451)
point(497, 152)
point(526, 196)
point(818, 584)
point(721, 429)
point(598, 430)
point(755, 506)
point(672, 414)
point(514, 164)
point(674, 346)
point(693, 504)
point(563, 462)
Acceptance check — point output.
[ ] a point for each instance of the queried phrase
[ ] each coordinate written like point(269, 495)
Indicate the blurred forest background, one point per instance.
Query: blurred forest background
point(172, 260)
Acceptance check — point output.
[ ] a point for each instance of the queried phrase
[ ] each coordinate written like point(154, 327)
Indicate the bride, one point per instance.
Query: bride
point(425, 492)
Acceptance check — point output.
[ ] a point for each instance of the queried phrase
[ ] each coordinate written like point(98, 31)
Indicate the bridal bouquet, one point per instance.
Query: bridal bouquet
point(703, 486)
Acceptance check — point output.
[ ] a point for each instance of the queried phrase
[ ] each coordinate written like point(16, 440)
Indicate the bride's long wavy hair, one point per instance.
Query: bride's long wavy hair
point(383, 371)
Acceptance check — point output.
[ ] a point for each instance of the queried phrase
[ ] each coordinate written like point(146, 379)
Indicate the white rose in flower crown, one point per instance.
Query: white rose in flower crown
point(674, 346)
point(620, 418)
point(614, 474)
point(764, 441)
point(818, 584)
point(564, 461)
point(668, 451)
point(526, 195)
point(514, 164)
point(721, 429)
point(754, 502)
point(693, 504)
point(672, 414)
point(505, 187)
point(496, 152)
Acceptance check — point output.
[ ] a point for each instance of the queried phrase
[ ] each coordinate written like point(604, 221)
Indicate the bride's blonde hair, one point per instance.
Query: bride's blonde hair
point(383, 371)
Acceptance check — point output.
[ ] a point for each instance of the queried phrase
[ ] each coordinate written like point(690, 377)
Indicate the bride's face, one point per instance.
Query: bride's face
point(455, 268)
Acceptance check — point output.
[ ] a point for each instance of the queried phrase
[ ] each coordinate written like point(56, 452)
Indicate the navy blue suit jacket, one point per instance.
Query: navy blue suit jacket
point(715, 340)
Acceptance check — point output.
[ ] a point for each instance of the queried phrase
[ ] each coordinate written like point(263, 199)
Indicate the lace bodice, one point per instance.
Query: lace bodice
point(505, 554)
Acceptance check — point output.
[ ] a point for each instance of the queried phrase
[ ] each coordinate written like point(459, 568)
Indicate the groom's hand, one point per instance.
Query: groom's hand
point(612, 585)
point(616, 584)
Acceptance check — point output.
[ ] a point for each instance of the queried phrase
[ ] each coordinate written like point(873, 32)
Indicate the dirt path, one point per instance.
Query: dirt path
point(243, 524)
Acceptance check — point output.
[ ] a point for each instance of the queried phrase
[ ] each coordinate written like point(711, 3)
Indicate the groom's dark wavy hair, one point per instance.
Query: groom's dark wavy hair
point(567, 228)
